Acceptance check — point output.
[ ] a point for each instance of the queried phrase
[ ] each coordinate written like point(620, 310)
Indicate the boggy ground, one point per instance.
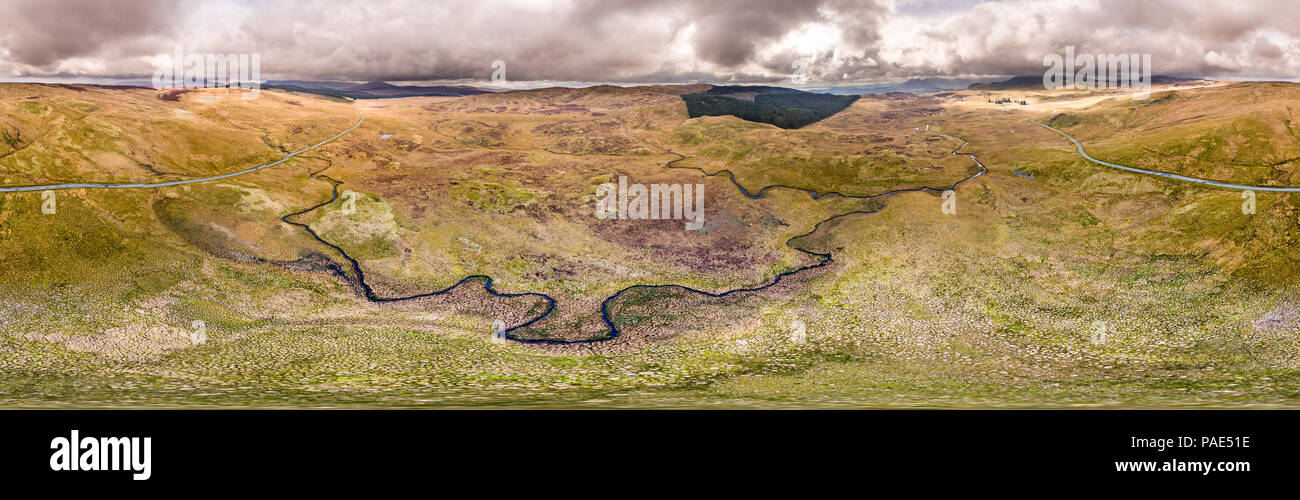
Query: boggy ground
point(1000, 304)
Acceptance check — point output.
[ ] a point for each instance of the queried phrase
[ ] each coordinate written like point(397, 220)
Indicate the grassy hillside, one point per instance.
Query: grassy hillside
point(1241, 132)
point(999, 304)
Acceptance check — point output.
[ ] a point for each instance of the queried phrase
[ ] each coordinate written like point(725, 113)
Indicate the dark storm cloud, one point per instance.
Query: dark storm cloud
point(728, 33)
point(665, 40)
point(43, 32)
point(646, 40)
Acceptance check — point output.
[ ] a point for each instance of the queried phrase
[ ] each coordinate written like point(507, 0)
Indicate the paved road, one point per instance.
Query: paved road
point(1167, 175)
point(91, 185)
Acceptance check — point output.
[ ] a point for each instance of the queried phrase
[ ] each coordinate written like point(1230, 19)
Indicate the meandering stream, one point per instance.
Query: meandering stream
point(613, 332)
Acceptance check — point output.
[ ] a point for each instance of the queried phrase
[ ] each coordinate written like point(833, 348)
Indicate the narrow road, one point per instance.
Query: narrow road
point(1167, 175)
point(91, 185)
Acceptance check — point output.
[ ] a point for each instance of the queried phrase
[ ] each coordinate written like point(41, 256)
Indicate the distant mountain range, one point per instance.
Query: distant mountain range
point(1036, 82)
point(383, 90)
point(913, 86)
point(941, 84)
point(370, 90)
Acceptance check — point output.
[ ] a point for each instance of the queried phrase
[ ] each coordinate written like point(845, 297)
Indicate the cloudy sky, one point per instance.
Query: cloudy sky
point(645, 41)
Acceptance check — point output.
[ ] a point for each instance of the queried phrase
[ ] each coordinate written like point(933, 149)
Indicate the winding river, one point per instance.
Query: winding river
point(823, 259)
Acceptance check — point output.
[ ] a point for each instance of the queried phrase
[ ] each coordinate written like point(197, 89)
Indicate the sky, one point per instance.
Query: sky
point(646, 41)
